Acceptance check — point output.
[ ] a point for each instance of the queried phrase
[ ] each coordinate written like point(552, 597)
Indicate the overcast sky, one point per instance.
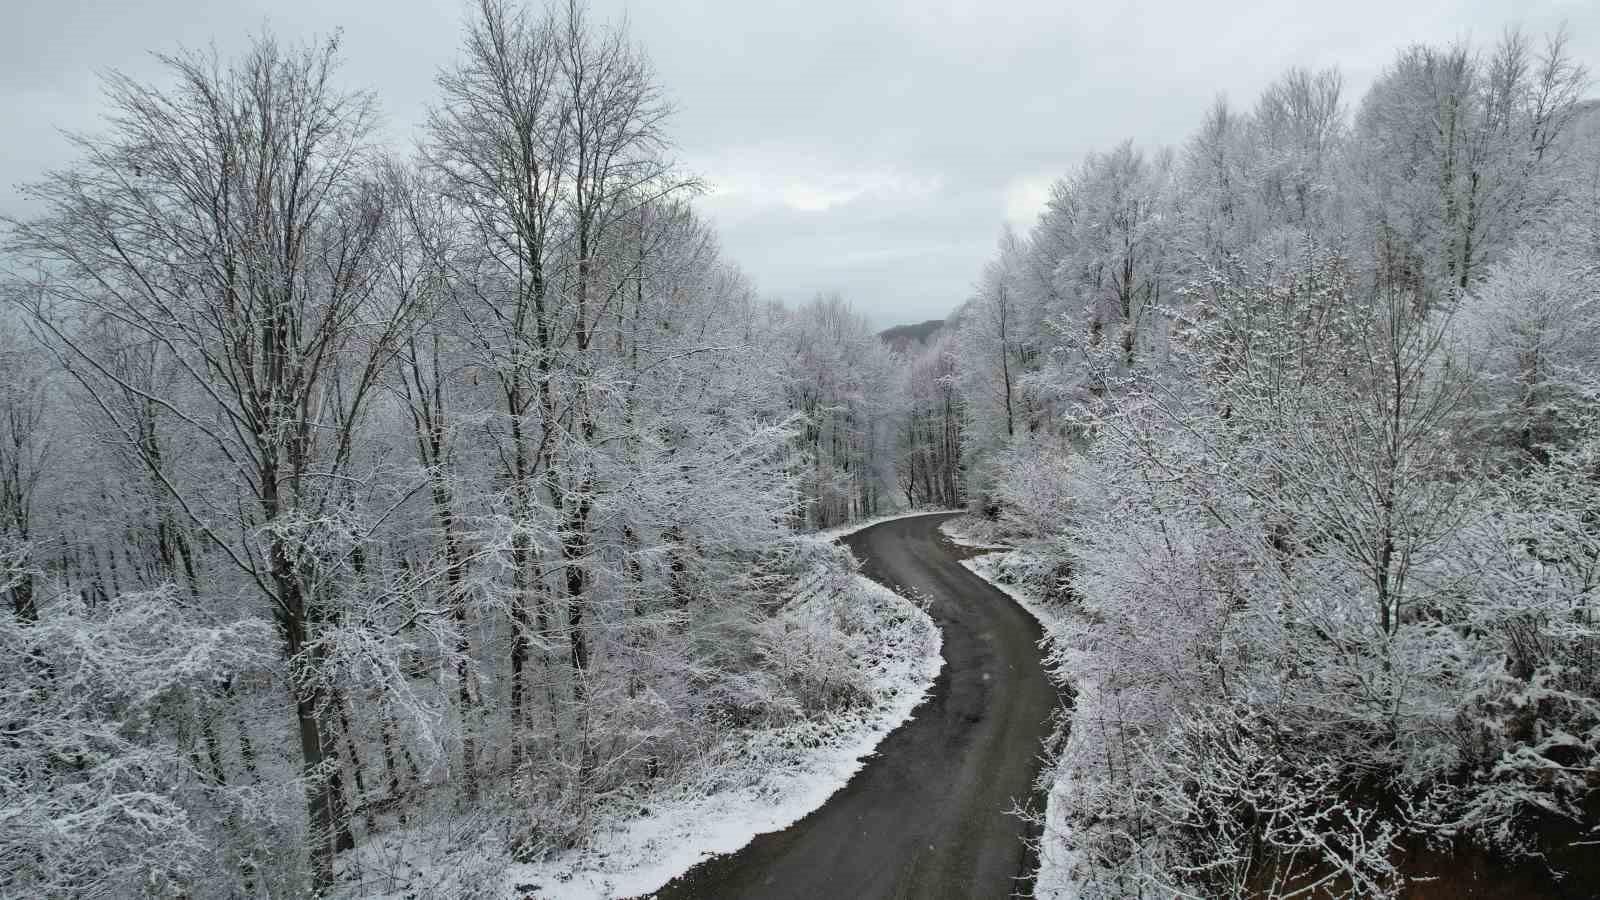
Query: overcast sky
point(873, 147)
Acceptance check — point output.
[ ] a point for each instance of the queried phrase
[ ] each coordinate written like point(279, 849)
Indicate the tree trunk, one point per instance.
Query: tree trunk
point(304, 662)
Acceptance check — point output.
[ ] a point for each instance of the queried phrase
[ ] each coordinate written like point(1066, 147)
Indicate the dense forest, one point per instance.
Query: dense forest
point(356, 498)
point(1296, 426)
point(343, 490)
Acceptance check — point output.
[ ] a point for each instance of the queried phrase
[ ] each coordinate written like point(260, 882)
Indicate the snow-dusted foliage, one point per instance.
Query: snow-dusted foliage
point(1307, 483)
point(111, 764)
point(928, 464)
point(427, 525)
point(364, 518)
point(844, 661)
point(839, 378)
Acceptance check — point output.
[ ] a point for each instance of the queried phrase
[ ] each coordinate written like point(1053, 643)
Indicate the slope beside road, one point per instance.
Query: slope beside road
point(931, 814)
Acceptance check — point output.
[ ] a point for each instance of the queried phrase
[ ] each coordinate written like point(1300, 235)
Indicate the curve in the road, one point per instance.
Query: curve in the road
point(931, 814)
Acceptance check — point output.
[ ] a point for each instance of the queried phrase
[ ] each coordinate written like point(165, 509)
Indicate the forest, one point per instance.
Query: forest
point(343, 489)
point(1295, 426)
point(378, 519)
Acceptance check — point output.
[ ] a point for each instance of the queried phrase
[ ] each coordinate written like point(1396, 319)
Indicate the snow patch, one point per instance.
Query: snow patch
point(962, 533)
point(790, 771)
point(989, 567)
point(833, 534)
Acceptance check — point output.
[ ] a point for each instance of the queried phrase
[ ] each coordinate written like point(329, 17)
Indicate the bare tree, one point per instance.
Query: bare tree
point(548, 145)
point(233, 221)
point(418, 254)
point(499, 149)
point(23, 451)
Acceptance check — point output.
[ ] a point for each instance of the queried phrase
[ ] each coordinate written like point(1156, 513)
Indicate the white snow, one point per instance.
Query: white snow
point(987, 567)
point(758, 782)
point(641, 854)
point(959, 534)
point(833, 534)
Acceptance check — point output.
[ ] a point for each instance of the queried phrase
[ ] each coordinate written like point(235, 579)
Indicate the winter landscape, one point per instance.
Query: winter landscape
point(702, 450)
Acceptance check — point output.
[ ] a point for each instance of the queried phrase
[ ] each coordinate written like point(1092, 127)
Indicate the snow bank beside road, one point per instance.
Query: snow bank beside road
point(833, 534)
point(973, 534)
point(765, 780)
point(858, 658)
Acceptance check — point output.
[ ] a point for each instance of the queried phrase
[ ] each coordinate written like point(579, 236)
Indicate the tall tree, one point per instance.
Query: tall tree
point(233, 221)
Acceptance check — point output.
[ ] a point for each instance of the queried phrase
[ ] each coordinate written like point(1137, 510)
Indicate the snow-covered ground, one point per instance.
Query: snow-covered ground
point(1054, 879)
point(757, 782)
point(833, 534)
point(972, 533)
point(788, 772)
point(991, 567)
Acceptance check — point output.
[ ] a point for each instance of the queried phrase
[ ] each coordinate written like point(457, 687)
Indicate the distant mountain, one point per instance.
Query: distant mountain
point(901, 337)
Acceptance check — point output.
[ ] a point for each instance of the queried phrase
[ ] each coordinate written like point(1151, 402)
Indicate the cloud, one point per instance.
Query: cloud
point(737, 189)
point(1026, 198)
point(874, 147)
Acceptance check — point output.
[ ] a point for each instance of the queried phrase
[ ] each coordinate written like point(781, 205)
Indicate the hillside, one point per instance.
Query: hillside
point(901, 337)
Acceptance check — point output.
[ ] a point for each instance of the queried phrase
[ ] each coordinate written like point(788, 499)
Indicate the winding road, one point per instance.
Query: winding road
point(930, 815)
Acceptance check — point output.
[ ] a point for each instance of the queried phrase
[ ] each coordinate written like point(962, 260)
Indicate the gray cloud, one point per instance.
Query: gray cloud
point(874, 147)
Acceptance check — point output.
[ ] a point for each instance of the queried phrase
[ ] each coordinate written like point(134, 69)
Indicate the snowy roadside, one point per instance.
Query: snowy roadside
point(833, 534)
point(1054, 880)
point(774, 777)
point(756, 781)
point(992, 567)
point(970, 533)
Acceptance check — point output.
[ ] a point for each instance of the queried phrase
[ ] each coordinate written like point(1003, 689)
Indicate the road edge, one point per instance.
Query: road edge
point(1053, 869)
point(725, 822)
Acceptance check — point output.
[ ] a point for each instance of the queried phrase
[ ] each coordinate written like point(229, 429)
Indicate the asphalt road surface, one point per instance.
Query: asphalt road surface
point(931, 814)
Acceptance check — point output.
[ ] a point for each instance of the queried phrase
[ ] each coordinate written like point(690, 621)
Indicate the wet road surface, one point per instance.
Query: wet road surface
point(930, 815)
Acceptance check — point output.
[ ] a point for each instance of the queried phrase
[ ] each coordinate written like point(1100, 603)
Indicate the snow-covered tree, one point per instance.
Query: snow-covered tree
point(1312, 381)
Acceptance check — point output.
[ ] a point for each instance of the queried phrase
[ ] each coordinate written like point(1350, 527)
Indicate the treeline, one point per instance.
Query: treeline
point(344, 493)
point(1298, 423)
